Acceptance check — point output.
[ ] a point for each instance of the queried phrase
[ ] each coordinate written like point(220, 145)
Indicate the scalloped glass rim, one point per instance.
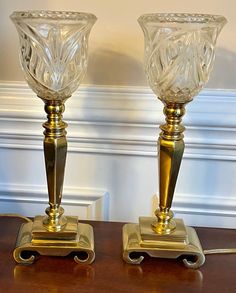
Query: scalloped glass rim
point(52, 15)
point(182, 18)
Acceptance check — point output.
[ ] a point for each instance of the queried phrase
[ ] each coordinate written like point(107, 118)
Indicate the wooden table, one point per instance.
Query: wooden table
point(110, 274)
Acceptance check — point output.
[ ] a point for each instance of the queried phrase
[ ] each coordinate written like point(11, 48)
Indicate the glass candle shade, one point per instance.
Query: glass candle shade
point(179, 56)
point(54, 57)
point(53, 50)
point(179, 53)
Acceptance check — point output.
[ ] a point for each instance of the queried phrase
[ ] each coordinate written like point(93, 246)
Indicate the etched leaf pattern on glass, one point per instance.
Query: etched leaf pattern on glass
point(54, 53)
point(178, 55)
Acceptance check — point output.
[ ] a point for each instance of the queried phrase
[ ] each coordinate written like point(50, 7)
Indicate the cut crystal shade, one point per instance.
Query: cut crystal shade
point(179, 52)
point(53, 50)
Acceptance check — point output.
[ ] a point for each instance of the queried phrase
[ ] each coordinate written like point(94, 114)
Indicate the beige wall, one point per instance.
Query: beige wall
point(116, 41)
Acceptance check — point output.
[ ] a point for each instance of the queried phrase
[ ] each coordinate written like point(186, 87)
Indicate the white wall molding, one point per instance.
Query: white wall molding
point(202, 210)
point(120, 120)
point(202, 204)
point(112, 137)
point(87, 203)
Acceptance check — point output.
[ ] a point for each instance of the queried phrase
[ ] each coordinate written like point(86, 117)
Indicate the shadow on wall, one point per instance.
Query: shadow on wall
point(107, 67)
point(223, 75)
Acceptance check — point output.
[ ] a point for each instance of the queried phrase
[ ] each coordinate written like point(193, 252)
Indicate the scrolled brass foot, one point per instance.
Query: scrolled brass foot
point(127, 256)
point(34, 240)
point(18, 255)
point(200, 260)
point(89, 259)
point(141, 239)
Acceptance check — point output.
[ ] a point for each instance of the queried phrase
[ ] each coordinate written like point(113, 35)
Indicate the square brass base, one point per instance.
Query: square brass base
point(40, 233)
point(140, 238)
point(33, 239)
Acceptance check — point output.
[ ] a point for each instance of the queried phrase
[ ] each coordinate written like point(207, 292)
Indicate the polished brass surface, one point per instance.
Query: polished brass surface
point(55, 234)
point(139, 239)
point(171, 148)
point(177, 68)
point(53, 55)
point(76, 238)
point(165, 236)
point(55, 149)
point(149, 236)
point(68, 233)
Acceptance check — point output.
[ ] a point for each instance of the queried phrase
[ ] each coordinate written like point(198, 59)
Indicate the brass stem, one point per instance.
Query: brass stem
point(55, 149)
point(171, 148)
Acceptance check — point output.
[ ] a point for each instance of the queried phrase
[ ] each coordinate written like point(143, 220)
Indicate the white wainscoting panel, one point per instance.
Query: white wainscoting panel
point(89, 204)
point(112, 133)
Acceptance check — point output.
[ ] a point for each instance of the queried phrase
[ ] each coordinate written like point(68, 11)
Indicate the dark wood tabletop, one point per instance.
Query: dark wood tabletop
point(109, 273)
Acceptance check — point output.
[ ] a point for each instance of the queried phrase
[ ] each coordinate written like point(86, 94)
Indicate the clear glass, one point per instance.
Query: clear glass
point(53, 50)
point(179, 52)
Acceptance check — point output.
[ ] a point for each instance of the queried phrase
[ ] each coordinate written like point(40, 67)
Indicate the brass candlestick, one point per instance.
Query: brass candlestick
point(179, 55)
point(53, 56)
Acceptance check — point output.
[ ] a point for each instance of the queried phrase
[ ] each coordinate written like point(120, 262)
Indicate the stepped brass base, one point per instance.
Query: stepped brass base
point(140, 238)
point(34, 239)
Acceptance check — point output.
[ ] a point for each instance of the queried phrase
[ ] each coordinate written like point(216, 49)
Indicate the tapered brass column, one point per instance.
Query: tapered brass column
point(54, 57)
point(170, 149)
point(179, 55)
point(165, 236)
point(55, 150)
